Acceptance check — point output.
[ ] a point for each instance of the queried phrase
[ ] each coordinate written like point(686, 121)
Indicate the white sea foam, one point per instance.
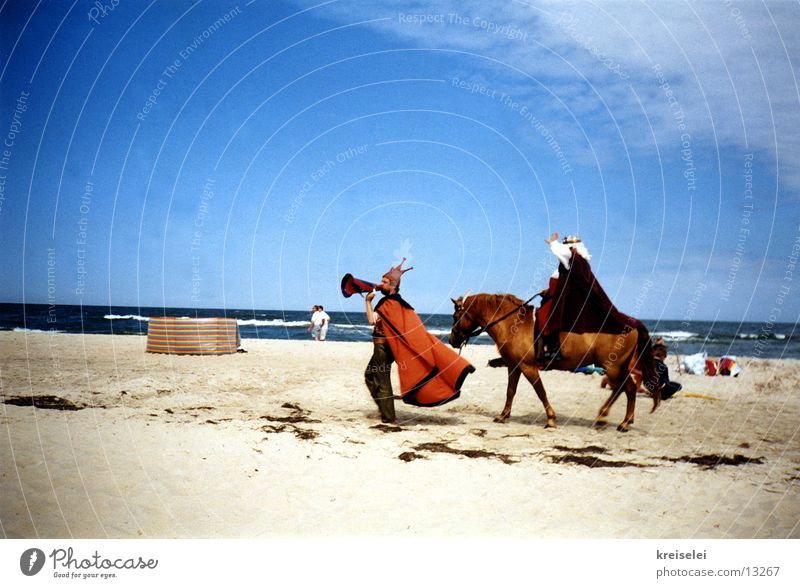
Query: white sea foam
point(271, 323)
point(24, 330)
point(126, 317)
point(438, 332)
point(241, 322)
point(675, 335)
point(447, 332)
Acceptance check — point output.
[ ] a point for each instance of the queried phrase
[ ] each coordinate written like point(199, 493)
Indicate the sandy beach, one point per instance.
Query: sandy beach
point(284, 441)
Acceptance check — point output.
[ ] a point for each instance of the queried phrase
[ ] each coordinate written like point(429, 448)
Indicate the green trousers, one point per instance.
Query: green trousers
point(378, 379)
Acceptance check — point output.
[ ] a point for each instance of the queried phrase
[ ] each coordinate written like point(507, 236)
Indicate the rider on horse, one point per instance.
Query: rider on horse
point(574, 301)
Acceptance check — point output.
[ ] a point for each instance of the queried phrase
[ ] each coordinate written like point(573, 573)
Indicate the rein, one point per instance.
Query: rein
point(480, 330)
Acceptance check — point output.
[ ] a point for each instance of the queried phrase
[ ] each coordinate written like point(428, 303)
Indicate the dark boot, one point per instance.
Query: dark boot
point(539, 348)
point(552, 349)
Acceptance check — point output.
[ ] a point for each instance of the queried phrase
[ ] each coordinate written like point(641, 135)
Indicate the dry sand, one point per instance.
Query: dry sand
point(284, 441)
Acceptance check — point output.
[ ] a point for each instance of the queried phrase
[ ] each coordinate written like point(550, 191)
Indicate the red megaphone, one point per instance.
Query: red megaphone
point(351, 285)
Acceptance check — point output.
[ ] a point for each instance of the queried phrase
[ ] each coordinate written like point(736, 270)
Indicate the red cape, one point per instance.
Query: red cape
point(430, 372)
point(580, 305)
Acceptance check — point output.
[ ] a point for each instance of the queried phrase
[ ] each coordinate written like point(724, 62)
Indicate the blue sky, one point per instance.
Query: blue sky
point(248, 154)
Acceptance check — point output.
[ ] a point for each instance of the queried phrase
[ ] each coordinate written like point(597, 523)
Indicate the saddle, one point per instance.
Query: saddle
point(546, 348)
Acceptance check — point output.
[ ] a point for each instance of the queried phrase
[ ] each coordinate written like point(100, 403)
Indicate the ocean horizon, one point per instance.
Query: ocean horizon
point(745, 339)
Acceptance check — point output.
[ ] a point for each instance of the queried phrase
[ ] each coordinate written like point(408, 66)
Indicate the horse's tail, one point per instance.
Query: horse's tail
point(647, 364)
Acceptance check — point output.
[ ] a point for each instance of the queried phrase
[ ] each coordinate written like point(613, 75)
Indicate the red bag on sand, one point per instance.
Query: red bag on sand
point(728, 367)
point(711, 367)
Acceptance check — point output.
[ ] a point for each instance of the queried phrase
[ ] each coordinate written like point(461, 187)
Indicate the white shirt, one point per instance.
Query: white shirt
point(563, 253)
point(319, 317)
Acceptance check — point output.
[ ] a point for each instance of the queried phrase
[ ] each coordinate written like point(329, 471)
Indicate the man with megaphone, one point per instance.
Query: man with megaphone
point(430, 373)
point(378, 372)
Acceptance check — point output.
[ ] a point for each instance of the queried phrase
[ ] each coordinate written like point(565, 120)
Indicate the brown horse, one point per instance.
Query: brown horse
point(510, 324)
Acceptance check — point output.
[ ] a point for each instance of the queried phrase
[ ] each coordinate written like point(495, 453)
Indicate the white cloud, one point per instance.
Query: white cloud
point(730, 66)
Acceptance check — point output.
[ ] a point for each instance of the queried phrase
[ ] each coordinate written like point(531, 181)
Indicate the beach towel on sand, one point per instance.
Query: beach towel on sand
point(695, 364)
point(430, 372)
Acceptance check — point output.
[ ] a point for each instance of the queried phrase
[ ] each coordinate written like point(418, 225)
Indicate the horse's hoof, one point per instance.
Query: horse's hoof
point(500, 419)
point(550, 425)
point(622, 428)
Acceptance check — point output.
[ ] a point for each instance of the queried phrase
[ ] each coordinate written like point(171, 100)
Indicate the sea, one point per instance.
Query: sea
point(740, 339)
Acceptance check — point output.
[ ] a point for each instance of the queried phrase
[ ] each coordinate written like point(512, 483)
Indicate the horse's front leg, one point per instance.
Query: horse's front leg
point(532, 374)
point(511, 390)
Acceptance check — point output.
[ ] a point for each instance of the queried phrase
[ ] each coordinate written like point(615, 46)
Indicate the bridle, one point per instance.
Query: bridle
point(479, 330)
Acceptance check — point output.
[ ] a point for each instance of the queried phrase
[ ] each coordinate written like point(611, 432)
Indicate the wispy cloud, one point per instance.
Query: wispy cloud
point(726, 70)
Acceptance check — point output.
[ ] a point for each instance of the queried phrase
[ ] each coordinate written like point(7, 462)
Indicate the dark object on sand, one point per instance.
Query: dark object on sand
point(44, 402)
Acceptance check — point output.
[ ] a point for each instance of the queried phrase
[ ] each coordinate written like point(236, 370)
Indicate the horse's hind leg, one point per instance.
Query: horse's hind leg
point(629, 388)
point(532, 374)
point(511, 390)
point(630, 392)
point(616, 390)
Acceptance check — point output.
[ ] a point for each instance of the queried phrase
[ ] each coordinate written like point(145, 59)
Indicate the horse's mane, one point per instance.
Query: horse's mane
point(511, 298)
point(500, 297)
point(494, 302)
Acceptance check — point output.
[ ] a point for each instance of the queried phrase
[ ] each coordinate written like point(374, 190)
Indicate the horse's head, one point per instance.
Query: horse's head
point(463, 324)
